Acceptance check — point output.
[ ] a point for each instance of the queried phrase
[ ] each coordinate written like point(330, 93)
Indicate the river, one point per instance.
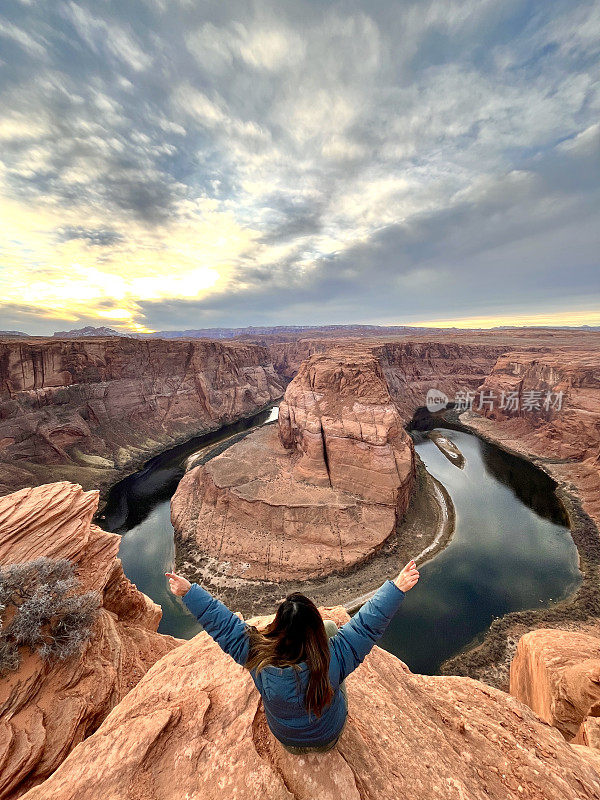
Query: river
point(511, 549)
point(139, 508)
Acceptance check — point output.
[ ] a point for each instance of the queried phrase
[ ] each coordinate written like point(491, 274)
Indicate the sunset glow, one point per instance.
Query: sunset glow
point(197, 165)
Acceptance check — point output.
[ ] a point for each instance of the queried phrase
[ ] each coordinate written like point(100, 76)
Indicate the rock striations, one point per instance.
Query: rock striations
point(47, 709)
point(194, 727)
point(88, 410)
point(319, 492)
point(561, 434)
point(557, 673)
point(329, 490)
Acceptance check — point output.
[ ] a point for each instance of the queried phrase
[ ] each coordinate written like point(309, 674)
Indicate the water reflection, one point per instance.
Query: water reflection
point(139, 508)
point(505, 555)
point(532, 486)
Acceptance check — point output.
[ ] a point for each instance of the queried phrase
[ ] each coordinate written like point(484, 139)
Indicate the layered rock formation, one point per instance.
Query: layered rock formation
point(288, 355)
point(46, 709)
point(412, 368)
point(91, 409)
point(429, 354)
point(557, 673)
point(342, 424)
point(339, 417)
point(194, 727)
point(319, 494)
point(551, 413)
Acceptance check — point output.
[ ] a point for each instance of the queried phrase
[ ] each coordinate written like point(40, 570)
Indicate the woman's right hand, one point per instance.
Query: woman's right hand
point(408, 577)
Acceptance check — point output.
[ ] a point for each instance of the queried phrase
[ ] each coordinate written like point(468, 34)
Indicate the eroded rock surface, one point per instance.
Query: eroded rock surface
point(339, 417)
point(557, 673)
point(47, 709)
point(318, 492)
point(194, 727)
point(88, 409)
point(555, 415)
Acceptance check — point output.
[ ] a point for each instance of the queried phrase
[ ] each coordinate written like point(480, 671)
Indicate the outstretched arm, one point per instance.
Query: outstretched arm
point(225, 627)
point(356, 638)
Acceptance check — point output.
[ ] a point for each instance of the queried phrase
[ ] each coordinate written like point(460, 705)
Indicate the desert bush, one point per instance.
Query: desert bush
point(48, 617)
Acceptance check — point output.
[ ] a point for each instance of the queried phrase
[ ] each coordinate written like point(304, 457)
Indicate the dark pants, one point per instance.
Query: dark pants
point(331, 629)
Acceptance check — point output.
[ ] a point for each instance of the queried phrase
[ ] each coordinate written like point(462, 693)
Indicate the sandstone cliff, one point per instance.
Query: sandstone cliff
point(47, 709)
point(300, 513)
point(412, 368)
point(90, 410)
point(339, 417)
point(319, 493)
point(194, 727)
point(562, 435)
point(557, 673)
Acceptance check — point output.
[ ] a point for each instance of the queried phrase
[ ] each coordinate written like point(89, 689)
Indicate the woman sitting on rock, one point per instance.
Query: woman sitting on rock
point(299, 662)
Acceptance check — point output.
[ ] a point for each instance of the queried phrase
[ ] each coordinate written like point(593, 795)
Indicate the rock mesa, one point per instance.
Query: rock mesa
point(318, 492)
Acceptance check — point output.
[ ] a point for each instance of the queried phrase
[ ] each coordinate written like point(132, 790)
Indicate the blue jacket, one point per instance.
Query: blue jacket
point(283, 688)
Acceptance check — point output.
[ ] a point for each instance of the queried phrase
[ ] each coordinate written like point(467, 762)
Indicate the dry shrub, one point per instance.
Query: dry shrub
point(48, 616)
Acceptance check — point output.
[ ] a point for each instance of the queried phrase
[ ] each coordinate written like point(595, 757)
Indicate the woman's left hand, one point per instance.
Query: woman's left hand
point(178, 584)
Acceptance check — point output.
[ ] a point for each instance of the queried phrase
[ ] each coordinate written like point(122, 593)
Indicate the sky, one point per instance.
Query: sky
point(177, 164)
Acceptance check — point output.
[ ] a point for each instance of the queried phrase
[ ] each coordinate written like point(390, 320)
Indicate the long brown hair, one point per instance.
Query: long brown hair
point(296, 634)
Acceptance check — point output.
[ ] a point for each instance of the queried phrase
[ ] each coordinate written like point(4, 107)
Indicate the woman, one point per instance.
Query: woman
point(298, 662)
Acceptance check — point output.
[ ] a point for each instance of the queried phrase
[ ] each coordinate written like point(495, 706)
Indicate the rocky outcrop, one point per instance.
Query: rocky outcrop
point(288, 356)
point(90, 410)
point(319, 494)
point(551, 413)
point(411, 368)
point(342, 419)
point(46, 709)
point(339, 418)
point(194, 727)
point(557, 674)
point(245, 515)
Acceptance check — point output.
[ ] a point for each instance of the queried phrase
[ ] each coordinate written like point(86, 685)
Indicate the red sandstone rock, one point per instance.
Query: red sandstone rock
point(47, 709)
point(194, 727)
point(338, 415)
point(557, 674)
point(325, 501)
point(412, 368)
point(567, 438)
point(589, 733)
point(248, 514)
point(89, 409)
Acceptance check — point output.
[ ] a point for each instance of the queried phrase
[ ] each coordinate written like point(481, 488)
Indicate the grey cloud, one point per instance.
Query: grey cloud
point(100, 238)
point(292, 115)
point(497, 250)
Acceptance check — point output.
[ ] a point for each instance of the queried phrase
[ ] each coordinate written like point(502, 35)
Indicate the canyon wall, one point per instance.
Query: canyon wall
point(194, 726)
point(464, 357)
point(47, 708)
point(90, 410)
point(551, 414)
point(294, 506)
point(287, 356)
point(317, 493)
point(412, 368)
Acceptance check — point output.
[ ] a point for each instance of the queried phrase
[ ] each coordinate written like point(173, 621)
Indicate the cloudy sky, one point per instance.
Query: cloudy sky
point(169, 164)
